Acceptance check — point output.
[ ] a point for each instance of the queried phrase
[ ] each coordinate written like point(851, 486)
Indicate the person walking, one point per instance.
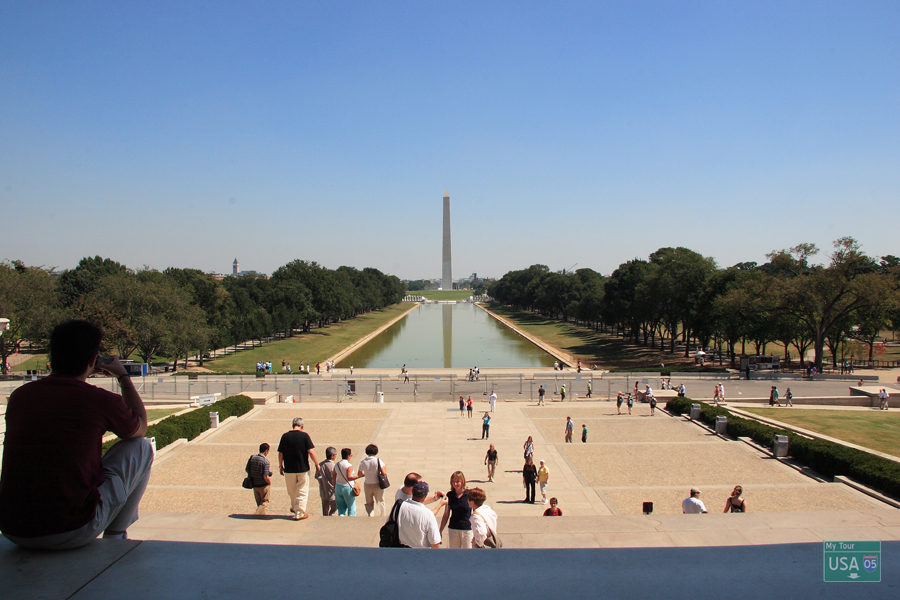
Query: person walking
point(541, 392)
point(653, 406)
point(884, 396)
point(462, 407)
point(343, 489)
point(584, 433)
point(493, 400)
point(543, 476)
point(369, 468)
point(295, 455)
point(259, 472)
point(788, 396)
point(491, 460)
point(589, 389)
point(457, 513)
point(470, 406)
point(529, 476)
point(486, 426)
point(529, 447)
point(570, 429)
point(722, 393)
point(325, 475)
point(773, 397)
point(619, 400)
point(562, 393)
point(630, 403)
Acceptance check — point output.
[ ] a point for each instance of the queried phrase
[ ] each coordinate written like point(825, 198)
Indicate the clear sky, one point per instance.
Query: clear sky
point(190, 133)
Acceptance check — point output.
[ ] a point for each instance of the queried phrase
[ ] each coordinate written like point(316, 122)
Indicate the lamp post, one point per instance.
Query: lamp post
point(4, 326)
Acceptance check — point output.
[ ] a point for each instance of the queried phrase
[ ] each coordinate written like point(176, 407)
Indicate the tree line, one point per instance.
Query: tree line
point(677, 294)
point(182, 312)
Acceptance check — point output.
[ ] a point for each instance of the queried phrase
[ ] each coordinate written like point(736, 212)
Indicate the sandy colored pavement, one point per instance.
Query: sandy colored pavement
point(628, 460)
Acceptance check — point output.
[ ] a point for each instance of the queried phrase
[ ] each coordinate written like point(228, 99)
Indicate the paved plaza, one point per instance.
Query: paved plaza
point(195, 493)
point(198, 536)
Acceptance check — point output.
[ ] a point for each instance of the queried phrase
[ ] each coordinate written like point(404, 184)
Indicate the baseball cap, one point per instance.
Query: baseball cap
point(420, 489)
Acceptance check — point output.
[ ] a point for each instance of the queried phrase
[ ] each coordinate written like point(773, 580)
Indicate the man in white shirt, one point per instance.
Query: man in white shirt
point(405, 493)
point(417, 524)
point(693, 505)
point(883, 395)
point(493, 399)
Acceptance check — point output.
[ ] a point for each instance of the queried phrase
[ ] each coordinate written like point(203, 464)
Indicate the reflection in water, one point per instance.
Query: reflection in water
point(448, 336)
point(447, 320)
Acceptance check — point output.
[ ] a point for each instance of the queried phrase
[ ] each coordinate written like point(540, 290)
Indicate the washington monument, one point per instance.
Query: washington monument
point(447, 272)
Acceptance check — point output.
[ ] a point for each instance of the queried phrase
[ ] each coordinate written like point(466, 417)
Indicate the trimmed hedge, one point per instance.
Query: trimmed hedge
point(826, 458)
point(190, 425)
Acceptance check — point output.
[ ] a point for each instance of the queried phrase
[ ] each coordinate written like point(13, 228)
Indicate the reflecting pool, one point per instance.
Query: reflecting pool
point(448, 336)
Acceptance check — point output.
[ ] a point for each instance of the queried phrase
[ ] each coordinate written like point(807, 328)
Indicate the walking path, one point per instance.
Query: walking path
point(202, 538)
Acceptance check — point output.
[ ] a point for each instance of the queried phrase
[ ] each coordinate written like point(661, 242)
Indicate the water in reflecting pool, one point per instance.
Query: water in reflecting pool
point(448, 336)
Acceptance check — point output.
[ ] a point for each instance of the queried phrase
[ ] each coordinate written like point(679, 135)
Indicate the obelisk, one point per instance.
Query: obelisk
point(447, 272)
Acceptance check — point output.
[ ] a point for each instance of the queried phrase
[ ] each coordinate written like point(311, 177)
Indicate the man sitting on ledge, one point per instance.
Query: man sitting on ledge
point(56, 490)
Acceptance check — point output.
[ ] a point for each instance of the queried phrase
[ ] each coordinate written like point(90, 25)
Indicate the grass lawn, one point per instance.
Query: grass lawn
point(878, 430)
point(312, 347)
point(38, 361)
point(159, 413)
point(443, 294)
point(592, 347)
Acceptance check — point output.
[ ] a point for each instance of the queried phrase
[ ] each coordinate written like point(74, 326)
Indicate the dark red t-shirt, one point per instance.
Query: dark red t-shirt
point(52, 463)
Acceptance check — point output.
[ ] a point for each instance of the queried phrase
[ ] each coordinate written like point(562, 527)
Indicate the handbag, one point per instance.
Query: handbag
point(247, 484)
point(491, 541)
point(383, 481)
point(355, 489)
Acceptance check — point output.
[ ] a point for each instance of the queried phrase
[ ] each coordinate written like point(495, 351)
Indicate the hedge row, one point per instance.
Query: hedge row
point(824, 457)
point(190, 425)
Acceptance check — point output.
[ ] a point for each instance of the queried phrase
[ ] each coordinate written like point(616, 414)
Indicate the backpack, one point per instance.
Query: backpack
point(389, 534)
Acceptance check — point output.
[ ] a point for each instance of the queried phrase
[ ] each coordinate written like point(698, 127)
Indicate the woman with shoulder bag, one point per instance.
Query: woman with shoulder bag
point(483, 520)
point(345, 493)
point(370, 468)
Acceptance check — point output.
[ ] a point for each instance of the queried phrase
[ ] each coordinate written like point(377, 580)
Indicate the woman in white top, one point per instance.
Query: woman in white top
point(529, 447)
point(369, 467)
point(483, 519)
point(343, 489)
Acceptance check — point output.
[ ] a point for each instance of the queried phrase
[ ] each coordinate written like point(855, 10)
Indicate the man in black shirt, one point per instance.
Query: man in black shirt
point(295, 451)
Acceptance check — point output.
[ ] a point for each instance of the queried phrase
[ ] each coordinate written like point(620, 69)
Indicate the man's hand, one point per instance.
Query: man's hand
point(109, 365)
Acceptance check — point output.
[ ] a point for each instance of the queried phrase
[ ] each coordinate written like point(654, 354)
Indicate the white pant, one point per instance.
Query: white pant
point(374, 497)
point(459, 538)
point(298, 490)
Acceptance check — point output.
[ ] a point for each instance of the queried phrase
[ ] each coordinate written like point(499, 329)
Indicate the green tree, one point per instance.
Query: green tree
point(28, 298)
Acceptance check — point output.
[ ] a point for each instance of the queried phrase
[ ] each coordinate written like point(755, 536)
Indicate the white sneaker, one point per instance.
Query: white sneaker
point(544, 501)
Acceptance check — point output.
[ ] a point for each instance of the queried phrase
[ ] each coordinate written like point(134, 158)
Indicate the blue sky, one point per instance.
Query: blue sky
point(190, 133)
